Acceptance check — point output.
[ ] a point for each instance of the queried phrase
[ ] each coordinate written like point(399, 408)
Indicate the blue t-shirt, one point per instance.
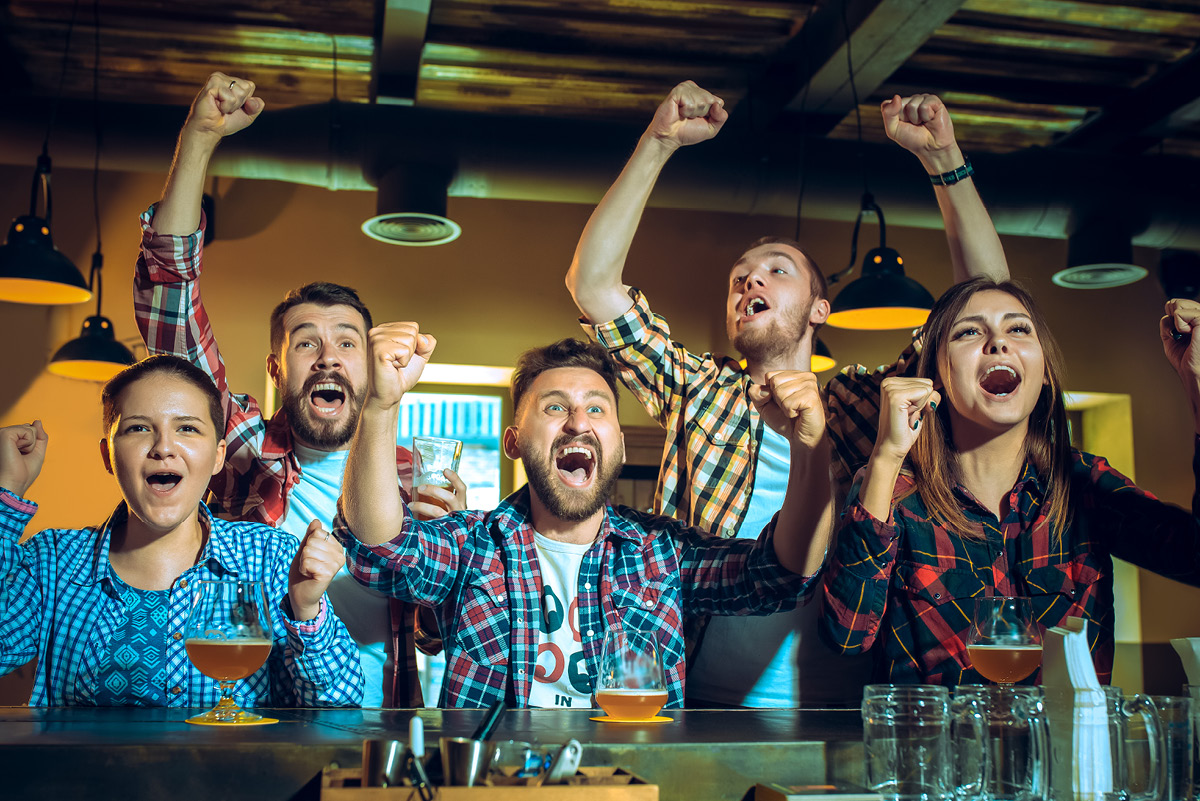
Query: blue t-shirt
point(135, 673)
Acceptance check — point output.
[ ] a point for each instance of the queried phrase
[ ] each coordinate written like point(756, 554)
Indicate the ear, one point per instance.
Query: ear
point(105, 456)
point(623, 447)
point(819, 313)
point(510, 443)
point(220, 457)
point(274, 371)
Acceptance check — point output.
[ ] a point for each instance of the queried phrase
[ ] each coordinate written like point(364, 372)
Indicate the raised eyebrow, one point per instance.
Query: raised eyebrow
point(180, 418)
point(340, 326)
point(768, 255)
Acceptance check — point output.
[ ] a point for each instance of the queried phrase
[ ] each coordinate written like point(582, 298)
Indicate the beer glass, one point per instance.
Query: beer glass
point(228, 638)
point(432, 455)
point(1005, 644)
point(630, 686)
point(1000, 735)
point(906, 736)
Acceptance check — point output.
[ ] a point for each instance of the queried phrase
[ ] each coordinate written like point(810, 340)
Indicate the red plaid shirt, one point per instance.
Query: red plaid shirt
point(260, 466)
point(904, 587)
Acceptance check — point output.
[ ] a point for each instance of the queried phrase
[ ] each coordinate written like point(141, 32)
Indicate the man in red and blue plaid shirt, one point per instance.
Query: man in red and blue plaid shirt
point(483, 571)
point(722, 468)
point(285, 471)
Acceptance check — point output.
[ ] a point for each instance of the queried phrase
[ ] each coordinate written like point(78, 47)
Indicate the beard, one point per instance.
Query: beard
point(762, 343)
point(319, 432)
point(571, 505)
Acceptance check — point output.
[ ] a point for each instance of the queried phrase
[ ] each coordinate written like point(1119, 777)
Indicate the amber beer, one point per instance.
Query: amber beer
point(420, 496)
point(1005, 663)
point(631, 704)
point(228, 660)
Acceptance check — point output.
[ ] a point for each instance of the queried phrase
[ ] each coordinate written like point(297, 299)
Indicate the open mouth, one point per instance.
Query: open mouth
point(1000, 380)
point(575, 464)
point(754, 306)
point(163, 482)
point(328, 397)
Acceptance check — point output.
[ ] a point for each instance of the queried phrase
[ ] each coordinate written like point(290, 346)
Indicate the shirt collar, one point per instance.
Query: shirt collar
point(277, 438)
point(513, 513)
point(1028, 480)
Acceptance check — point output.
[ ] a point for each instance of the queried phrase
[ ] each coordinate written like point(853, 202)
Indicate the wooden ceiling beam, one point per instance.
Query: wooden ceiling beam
point(811, 74)
point(400, 31)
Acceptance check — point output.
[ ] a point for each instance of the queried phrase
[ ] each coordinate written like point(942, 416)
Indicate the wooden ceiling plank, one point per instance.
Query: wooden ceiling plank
point(1127, 16)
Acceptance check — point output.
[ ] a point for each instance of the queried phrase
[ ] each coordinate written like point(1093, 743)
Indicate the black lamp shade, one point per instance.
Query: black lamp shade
point(95, 355)
point(33, 271)
point(883, 298)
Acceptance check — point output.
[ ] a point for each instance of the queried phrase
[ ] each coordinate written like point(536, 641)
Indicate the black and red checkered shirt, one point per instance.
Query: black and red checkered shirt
point(904, 587)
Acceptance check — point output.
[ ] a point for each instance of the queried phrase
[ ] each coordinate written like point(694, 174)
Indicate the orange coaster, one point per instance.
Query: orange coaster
point(655, 719)
point(259, 722)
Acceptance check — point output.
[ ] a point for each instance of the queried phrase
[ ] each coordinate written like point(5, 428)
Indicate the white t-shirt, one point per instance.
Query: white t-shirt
point(773, 661)
point(561, 677)
point(364, 611)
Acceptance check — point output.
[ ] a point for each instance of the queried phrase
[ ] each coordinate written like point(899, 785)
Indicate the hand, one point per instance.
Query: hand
point(902, 404)
point(1183, 315)
point(316, 563)
point(22, 453)
point(398, 355)
point(921, 125)
point(790, 403)
point(224, 106)
point(444, 501)
point(688, 115)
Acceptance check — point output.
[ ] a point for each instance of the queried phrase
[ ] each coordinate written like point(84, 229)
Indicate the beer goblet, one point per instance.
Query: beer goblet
point(630, 686)
point(1005, 644)
point(228, 637)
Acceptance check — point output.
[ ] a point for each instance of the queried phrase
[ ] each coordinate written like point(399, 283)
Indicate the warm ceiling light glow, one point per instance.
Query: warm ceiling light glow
point(880, 318)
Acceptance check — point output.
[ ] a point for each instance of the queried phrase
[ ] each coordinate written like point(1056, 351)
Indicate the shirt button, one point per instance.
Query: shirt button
point(591, 633)
point(183, 584)
point(587, 585)
point(937, 595)
point(177, 636)
point(728, 530)
point(176, 690)
point(521, 671)
point(648, 604)
point(520, 621)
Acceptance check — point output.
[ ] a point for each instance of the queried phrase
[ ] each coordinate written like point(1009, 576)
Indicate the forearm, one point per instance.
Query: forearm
point(804, 529)
point(322, 663)
point(20, 595)
point(178, 212)
point(879, 485)
point(856, 581)
point(975, 248)
point(371, 501)
point(594, 278)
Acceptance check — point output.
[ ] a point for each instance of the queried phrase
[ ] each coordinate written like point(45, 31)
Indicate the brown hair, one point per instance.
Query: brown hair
point(321, 293)
point(564, 353)
point(169, 365)
point(934, 459)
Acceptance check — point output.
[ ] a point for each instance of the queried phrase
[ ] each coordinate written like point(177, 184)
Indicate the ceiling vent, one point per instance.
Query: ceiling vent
point(410, 208)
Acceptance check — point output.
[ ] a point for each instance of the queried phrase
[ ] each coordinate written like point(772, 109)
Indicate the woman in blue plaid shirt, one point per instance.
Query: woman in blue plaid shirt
point(103, 609)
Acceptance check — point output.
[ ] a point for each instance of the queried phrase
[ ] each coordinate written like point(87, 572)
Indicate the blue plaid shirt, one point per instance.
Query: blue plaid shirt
point(58, 603)
point(480, 572)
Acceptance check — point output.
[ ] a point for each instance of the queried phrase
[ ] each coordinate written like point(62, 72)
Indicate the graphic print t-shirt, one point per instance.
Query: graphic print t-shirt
point(561, 678)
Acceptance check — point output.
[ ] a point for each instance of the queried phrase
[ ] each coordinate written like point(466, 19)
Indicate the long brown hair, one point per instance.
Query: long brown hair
point(934, 459)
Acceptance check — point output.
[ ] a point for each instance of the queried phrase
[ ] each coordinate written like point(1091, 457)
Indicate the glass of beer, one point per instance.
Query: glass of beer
point(1005, 644)
point(630, 686)
point(432, 456)
point(228, 638)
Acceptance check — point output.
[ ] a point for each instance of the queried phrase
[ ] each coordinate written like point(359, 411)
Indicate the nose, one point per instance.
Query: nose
point(578, 421)
point(998, 344)
point(328, 358)
point(756, 278)
point(163, 446)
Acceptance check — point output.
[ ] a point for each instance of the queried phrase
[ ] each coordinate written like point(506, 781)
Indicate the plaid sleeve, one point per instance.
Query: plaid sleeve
point(320, 665)
point(735, 576)
point(418, 565)
point(21, 601)
point(1136, 526)
point(852, 412)
point(857, 578)
point(654, 368)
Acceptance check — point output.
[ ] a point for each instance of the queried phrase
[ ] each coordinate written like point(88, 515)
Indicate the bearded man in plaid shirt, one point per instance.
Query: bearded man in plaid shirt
point(285, 471)
point(500, 581)
point(722, 468)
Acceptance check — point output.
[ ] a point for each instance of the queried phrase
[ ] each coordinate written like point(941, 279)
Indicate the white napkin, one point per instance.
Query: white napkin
point(1188, 649)
point(1077, 711)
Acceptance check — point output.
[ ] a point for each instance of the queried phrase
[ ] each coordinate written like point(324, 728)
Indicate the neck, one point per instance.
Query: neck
point(989, 462)
point(797, 357)
point(150, 559)
point(553, 527)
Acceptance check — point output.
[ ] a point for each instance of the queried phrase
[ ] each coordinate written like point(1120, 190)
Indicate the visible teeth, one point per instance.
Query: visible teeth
point(584, 451)
point(755, 306)
point(996, 367)
point(328, 386)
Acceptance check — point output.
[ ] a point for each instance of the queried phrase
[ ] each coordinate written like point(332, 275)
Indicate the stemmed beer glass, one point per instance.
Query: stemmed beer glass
point(631, 686)
point(1005, 644)
point(228, 637)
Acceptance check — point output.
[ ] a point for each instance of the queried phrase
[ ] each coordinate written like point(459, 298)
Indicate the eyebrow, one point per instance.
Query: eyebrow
point(591, 393)
point(340, 326)
point(979, 318)
point(768, 255)
point(180, 418)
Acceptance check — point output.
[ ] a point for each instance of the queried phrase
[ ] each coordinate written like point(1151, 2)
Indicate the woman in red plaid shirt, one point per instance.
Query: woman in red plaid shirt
point(973, 489)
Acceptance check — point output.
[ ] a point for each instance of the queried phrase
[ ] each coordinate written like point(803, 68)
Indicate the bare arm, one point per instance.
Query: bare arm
point(688, 115)
point(224, 106)
point(921, 124)
point(371, 501)
point(903, 403)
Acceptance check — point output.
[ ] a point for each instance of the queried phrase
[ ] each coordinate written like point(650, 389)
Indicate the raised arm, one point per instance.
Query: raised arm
point(371, 501)
point(688, 115)
point(224, 106)
point(921, 125)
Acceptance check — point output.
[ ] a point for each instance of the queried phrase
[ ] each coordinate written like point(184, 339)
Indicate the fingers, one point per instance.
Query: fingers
point(794, 391)
point(397, 343)
point(320, 556)
point(460, 489)
point(439, 499)
point(26, 437)
point(1182, 315)
point(910, 398)
point(692, 102)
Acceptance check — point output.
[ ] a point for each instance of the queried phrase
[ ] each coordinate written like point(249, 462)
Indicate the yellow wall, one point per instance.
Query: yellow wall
point(499, 289)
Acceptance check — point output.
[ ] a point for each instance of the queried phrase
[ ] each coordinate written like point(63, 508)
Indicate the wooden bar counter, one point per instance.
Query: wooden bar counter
point(128, 753)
